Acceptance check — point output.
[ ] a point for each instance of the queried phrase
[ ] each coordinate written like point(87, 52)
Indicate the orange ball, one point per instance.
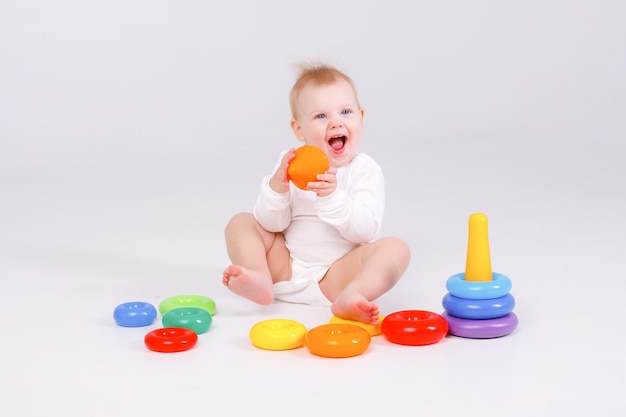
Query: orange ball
point(309, 162)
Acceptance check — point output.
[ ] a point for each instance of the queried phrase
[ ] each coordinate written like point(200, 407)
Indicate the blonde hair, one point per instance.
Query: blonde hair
point(317, 74)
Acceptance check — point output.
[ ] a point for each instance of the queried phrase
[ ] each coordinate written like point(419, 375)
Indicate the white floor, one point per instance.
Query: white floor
point(97, 208)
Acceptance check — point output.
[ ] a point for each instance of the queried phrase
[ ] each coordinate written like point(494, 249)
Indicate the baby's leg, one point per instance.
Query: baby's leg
point(354, 306)
point(259, 258)
point(363, 275)
point(253, 285)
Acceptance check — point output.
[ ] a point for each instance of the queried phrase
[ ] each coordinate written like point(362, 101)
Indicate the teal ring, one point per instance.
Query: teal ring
point(193, 318)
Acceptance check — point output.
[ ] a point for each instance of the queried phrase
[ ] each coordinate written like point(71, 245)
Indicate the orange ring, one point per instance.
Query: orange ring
point(337, 340)
point(372, 329)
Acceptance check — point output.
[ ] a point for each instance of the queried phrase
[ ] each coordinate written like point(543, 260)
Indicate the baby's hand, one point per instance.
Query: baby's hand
point(326, 183)
point(280, 180)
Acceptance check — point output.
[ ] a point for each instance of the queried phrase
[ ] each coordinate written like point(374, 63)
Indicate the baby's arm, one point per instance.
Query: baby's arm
point(356, 207)
point(272, 209)
point(326, 183)
point(279, 182)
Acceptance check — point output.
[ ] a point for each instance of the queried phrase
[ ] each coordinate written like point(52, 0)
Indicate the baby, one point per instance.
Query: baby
point(319, 246)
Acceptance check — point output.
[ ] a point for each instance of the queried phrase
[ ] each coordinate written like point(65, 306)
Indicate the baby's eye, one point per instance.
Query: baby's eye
point(346, 111)
point(320, 116)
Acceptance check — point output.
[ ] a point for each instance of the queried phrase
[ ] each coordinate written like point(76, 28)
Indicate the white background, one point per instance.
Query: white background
point(130, 131)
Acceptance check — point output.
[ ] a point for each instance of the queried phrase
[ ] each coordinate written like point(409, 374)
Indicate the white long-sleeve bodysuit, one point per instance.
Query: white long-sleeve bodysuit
point(320, 230)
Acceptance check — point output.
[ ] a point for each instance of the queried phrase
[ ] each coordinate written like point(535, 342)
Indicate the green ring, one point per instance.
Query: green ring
point(179, 301)
point(193, 318)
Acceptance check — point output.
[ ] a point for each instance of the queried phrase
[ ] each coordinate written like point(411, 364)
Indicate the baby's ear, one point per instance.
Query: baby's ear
point(297, 130)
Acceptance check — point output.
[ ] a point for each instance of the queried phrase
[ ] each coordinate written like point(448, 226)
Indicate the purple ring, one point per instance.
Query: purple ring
point(481, 329)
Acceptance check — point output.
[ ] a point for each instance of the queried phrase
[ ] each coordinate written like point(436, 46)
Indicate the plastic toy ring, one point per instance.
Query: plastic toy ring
point(482, 329)
point(465, 308)
point(178, 301)
point(337, 340)
point(414, 327)
point(193, 318)
point(134, 314)
point(278, 334)
point(479, 290)
point(373, 330)
point(171, 339)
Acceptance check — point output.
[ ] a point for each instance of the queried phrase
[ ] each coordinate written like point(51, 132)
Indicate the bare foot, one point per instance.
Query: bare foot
point(253, 285)
point(356, 308)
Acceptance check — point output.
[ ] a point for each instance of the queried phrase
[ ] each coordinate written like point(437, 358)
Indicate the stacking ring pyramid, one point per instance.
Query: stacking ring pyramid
point(479, 304)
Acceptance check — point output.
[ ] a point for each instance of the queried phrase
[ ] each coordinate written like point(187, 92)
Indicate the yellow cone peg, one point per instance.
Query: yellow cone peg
point(478, 263)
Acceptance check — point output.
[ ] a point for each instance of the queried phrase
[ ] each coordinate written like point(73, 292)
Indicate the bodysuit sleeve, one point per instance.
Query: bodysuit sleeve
point(356, 208)
point(272, 210)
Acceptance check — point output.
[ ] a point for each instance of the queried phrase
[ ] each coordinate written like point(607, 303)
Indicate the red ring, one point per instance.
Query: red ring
point(414, 327)
point(171, 339)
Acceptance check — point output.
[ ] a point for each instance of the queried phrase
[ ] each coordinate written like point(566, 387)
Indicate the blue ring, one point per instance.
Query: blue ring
point(481, 329)
point(479, 290)
point(465, 308)
point(134, 314)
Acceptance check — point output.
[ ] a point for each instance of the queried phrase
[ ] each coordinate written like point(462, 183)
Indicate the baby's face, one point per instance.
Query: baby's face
point(330, 118)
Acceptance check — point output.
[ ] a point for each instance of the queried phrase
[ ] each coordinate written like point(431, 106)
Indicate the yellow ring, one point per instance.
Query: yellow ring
point(372, 329)
point(278, 334)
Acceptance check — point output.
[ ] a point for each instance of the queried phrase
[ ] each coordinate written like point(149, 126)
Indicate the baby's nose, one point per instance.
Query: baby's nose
point(335, 122)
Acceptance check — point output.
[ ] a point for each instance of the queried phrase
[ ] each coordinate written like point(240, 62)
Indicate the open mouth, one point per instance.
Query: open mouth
point(337, 142)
